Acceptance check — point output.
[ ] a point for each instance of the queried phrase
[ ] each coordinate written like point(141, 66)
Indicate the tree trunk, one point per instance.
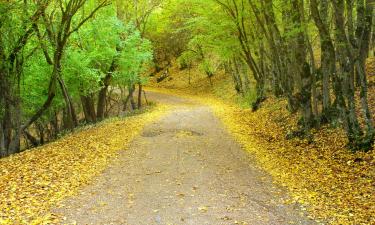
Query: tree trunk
point(65, 121)
point(12, 110)
point(52, 85)
point(279, 51)
point(40, 130)
point(237, 77)
point(15, 144)
point(363, 38)
point(101, 103)
point(88, 107)
point(346, 79)
point(55, 125)
point(31, 138)
point(303, 72)
point(144, 94)
point(72, 120)
point(3, 150)
point(139, 96)
point(328, 60)
point(314, 93)
point(102, 97)
point(131, 98)
point(307, 112)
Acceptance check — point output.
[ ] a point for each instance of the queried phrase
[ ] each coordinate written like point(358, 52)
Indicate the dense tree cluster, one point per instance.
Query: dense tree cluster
point(63, 61)
point(312, 53)
point(59, 60)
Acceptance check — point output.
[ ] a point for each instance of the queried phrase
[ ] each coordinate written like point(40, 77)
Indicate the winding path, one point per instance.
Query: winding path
point(183, 169)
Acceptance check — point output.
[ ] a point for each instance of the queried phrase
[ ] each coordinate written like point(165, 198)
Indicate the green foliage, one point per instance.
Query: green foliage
point(206, 38)
point(207, 67)
point(104, 41)
point(186, 59)
point(135, 59)
point(90, 52)
point(35, 85)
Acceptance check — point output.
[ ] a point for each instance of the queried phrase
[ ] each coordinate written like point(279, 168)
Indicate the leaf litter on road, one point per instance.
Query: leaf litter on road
point(35, 180)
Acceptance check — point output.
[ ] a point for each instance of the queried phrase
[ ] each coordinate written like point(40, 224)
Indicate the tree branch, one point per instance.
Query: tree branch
point(101, 5)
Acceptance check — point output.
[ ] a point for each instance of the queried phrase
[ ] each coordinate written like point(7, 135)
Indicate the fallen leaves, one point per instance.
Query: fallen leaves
point(184, 133)
point(329, 180)
point(35, 180)
point(203, 209)
point(334, 185)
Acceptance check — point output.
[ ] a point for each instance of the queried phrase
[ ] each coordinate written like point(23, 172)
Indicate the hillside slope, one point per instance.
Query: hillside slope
point(333, 183)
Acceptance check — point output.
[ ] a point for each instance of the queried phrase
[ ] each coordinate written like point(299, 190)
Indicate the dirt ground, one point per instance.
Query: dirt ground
point(184, 169)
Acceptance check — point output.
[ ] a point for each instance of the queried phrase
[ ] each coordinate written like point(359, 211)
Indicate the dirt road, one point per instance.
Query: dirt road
point(184, 169)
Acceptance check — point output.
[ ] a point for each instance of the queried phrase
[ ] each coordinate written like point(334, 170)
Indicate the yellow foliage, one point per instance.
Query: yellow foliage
point(335, 185)
point(35, 180)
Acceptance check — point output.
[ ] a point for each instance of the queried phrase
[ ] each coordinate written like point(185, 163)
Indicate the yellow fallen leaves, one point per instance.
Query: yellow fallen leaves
point(318, 174)
point(203, 209)
point(334, 185)
point(184, 134)
point(34, 181)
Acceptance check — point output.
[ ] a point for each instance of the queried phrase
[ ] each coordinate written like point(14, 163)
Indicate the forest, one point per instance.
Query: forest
point(69, 64)
point(61, 59)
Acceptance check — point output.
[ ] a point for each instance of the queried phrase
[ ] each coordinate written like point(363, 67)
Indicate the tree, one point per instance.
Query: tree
point(12, 57)
point(276, 41)
point(34, 15)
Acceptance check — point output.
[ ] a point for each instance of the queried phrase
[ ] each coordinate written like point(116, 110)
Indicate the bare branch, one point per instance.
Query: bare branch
point(101, 5)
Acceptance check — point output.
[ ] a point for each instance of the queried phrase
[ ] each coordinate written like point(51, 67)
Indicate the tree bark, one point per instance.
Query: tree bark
point(102, 97)
point(303, 72)
point(328, 59)
point(31, 138)
point(139, 96)
point(72, 120)
point(3, 150)
point(88, 108)
point(55, 125)
point(346, 79)
point(131, 98)
point(363, 39)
